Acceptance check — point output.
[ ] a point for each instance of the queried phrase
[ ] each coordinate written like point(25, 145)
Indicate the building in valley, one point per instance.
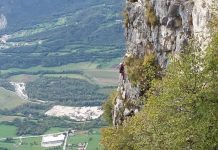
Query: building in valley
point(53, 140)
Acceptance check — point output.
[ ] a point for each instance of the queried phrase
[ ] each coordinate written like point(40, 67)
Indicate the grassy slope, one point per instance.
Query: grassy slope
point(9, 100)
point(7, 131)
point(23, 78)
point(68, 67)
point(104, 77)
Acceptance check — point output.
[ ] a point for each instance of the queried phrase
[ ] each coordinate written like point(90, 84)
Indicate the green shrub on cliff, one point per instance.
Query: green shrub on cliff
point(141, 71)
point(108, 107)
point(180, 111)
point(126, 19)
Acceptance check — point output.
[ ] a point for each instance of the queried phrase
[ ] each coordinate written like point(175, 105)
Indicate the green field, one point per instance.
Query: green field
point(23, 78)
point(110, 64)
point(102, 77)
point(40, 28)
point(68, 67)
point(7, 131)
point(9, 100)
point(91, 138)
point(73, 76)
point(26, 144)
point(8, 118)
point(106, 76)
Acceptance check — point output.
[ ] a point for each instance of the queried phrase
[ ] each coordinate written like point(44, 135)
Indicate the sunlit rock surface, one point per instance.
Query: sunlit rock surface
point(163, 27)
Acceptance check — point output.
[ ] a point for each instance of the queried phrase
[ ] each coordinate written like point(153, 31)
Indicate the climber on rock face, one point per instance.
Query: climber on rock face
point(122, 71)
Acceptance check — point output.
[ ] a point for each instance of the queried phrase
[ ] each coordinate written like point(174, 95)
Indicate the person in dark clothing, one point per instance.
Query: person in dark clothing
point(122, 71)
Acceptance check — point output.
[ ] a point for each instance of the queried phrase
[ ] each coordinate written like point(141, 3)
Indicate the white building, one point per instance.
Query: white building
point(82, 146)
point(53, 140)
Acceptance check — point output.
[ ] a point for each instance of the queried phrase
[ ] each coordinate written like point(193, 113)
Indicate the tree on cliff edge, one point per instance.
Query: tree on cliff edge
point(181, 109)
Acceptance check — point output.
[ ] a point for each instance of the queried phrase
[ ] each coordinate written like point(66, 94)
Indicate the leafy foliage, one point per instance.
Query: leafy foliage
point(126, 19)
point(141, 71)
point(6, 84)
point(180, 111)
point(108, 107)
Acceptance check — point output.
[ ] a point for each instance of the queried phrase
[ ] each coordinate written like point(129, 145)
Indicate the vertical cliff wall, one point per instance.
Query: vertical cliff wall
point(3, 22)
point(162, 27)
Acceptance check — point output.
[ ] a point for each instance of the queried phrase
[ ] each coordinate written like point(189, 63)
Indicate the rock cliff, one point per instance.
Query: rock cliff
point(162, 27)
point(3, 22)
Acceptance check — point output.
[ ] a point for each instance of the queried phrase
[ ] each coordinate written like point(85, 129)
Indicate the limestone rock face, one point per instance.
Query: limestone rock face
point(162, 27)
point(3, 22)
point(201, 15)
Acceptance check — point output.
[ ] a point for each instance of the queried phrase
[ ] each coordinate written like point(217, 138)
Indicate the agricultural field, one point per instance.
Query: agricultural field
point(106, 77)
point(73, 76)
point(89, 71)
point(23, 144)
point(92, 138)
point(67, 67)
point(23, 78)
point(9, 118)
point(7, 131)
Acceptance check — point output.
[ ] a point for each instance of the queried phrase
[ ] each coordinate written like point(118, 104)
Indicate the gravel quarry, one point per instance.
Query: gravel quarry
point(76, 113)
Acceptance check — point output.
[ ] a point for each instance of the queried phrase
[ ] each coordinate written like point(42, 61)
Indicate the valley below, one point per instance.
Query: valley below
point(58, 64)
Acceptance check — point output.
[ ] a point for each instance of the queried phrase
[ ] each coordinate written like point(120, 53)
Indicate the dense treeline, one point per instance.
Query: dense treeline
point(180, 110)
point(65, 91)
point(39, 126)
point(35, 110)
point(25, 60)
point(6, 84)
